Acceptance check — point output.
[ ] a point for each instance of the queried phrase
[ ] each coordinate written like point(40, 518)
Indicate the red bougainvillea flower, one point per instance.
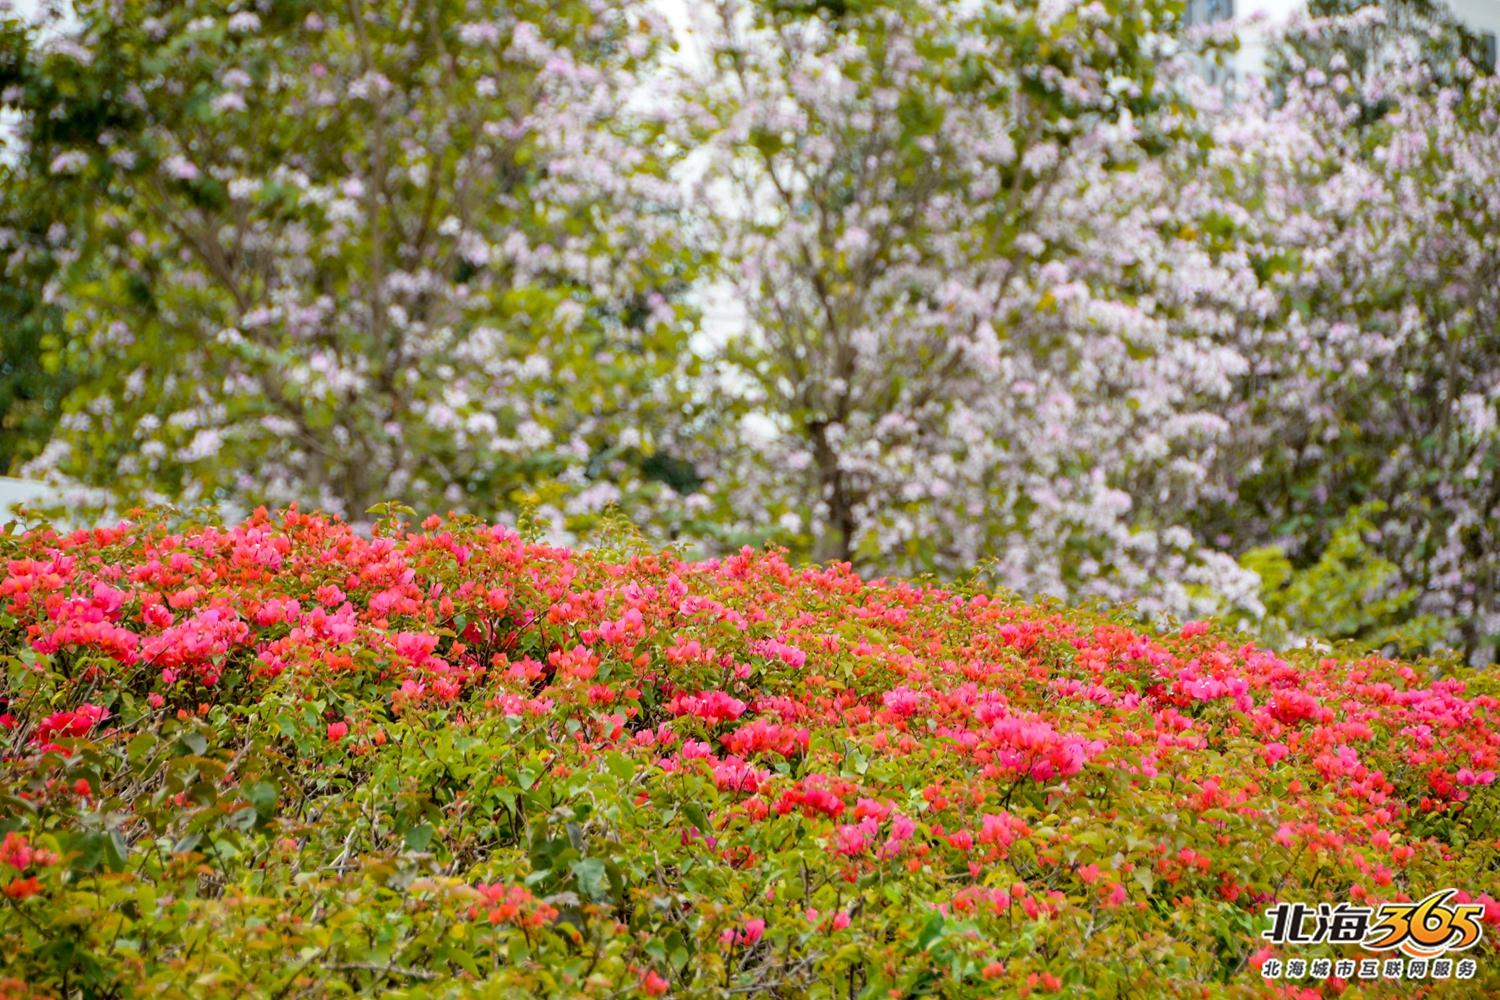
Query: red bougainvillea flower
point(512, 904)
point(71, 723)
point(514, 760)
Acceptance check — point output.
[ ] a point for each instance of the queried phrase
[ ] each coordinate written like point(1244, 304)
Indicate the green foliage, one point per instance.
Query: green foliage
point(35, 375)
point(32, 380)
point(1350, 594)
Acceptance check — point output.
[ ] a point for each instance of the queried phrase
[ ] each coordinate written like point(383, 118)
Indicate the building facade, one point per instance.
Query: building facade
point(1260, 19)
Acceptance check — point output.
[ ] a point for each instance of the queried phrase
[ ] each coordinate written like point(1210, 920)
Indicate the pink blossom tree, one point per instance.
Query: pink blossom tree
point(1366, 197)
point(972, 333)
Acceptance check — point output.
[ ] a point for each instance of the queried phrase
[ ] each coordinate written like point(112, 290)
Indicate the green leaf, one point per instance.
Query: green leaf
point(619, 765)
point(932, 931)
point(697, 816)
point(590, 874)
point(262, 795)
point(419, 838)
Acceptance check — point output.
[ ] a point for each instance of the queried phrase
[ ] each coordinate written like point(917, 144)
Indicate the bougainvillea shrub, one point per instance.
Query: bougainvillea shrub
point(286, 758)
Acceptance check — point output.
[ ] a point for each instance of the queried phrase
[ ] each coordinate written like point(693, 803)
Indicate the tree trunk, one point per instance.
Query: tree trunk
point(837, 544)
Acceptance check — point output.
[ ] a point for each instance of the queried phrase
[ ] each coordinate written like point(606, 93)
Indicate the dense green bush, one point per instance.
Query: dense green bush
point(1350, 594)
point(285, 759)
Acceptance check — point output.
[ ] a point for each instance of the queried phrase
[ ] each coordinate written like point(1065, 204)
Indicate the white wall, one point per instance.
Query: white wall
point(1478, 15)
point(18, 491)
point(1261, 17)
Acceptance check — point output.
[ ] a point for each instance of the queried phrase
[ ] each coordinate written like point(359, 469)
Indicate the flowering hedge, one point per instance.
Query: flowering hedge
point(288, 757)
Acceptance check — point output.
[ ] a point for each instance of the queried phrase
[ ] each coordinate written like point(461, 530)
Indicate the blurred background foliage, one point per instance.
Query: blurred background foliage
point(1008, 286)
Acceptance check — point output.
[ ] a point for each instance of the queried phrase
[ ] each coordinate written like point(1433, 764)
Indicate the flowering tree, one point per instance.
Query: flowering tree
point(1020, 297)
point(1427, 29)
point(942, 226)
point(1368, 205)
point(389, 249)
